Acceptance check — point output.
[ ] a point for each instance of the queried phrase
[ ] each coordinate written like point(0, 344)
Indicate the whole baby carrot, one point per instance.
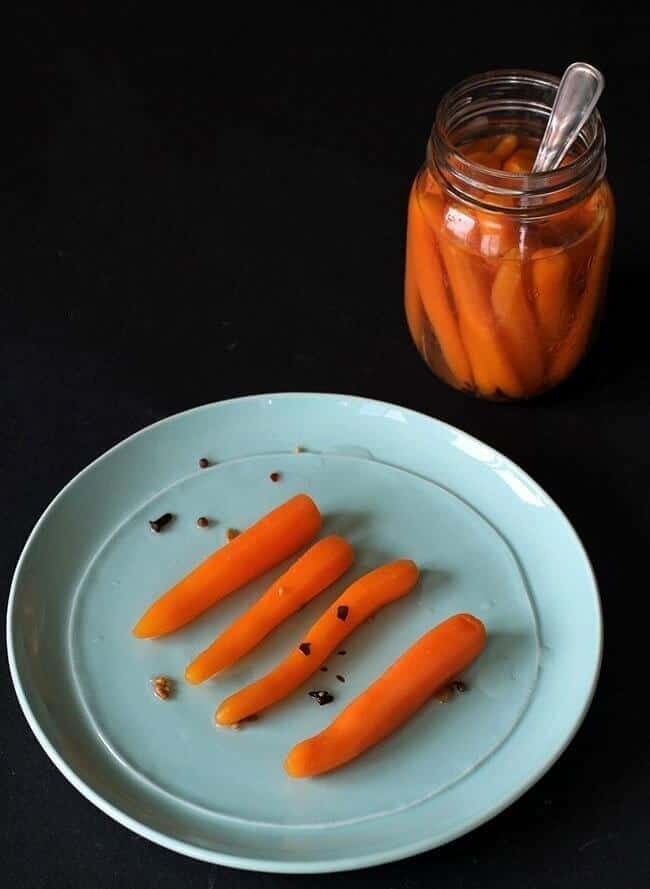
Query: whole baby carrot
point(265, 544)
point(550, 274)
point(516, 321)
point(575, 343)
point(492, 369)
point(365, 596)
point(416, 675)
point(320, 566)
point(412, 301)
point(521, 161)
point(506, 145)
point(423, 259)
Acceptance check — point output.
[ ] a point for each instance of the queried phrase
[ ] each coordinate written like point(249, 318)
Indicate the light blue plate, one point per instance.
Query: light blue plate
point(396, 484)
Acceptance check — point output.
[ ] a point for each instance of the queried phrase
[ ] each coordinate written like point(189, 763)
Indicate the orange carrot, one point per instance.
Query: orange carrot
point(415, 676)
point(265, 544)
point(486, 143)
point(492, 370)
point(358, 602)
point(412, 301)
point(516, 320)
point(498, 233)
point(314, 571)
point(505, 146)
point(550, 273)
point(484, 158)
point(573, 347)
point(521, 161)
point(423, 259)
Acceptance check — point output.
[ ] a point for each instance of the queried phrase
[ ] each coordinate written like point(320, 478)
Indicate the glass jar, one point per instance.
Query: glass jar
point(506, 270)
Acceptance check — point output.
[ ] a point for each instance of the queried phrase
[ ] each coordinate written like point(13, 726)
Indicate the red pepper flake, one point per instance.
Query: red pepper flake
point(342, 612)
point(340, 678)
point(231, 533)
point(322, 696)
point(275, 476)
point(202, 522)
point(459, 686)
point(204, 463)
point(305, 647)
point(158, 524)
point(343, 651)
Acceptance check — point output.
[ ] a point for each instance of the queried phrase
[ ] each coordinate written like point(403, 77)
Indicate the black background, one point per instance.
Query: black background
point(183, 226)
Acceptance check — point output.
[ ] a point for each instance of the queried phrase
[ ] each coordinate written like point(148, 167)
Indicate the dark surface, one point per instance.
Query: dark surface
point(183, 227)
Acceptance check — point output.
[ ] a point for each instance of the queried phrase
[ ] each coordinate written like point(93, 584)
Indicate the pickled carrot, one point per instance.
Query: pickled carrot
point(361, 599)
point(385, 705)
point(516, 320)
point(498, 233)
point(313, 572)
point(273, 538)
point(493, 372)
point(550, 276)
point(505, 147)
point(423, 259)
point(484, 158)
point(573, 347)
point(521, 161)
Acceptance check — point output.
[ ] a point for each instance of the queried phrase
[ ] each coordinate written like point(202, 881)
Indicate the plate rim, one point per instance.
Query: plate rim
point(310, 866)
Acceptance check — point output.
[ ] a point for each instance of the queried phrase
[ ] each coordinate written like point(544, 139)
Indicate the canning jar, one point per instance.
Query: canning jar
point(506, 269)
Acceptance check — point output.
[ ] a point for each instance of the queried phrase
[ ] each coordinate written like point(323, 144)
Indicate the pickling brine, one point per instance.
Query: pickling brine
point(506, 270)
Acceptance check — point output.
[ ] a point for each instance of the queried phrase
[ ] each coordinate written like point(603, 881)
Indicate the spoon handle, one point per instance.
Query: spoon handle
point(576, 98)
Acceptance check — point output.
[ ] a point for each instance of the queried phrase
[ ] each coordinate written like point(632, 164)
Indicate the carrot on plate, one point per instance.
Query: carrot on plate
point(314, 571)
point(273, 538)
point(361, 599)
point(415, 676)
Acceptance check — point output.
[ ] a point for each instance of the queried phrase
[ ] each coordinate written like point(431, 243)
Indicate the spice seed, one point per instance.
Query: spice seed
point(204, 462)
point(162, 687)
point(459, 686)
point(321, 696)
point(343, 651)
point(324, 669)
point(231, 533)
point(340, 678)
point(275, 476)
point(342, 612)
point(298, 449)
point(305, 647)
point(202, 522)
point(443, 696)
point(158, 524)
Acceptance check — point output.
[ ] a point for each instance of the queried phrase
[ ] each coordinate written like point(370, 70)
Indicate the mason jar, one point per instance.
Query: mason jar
point(506, 270)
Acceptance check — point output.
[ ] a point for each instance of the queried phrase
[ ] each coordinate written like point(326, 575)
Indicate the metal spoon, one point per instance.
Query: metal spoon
point(576, 98)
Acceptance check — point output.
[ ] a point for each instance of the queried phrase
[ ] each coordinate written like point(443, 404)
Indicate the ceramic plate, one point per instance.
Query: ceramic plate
point(396, 484)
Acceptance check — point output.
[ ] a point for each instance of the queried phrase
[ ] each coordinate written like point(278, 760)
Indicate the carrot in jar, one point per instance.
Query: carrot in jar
point(493, 372)
point(484, 158)
point(314, 571)
point(423, 259)
point(412, 301)
point(516, 320)
point(550, 276)
point(521, 161)
point(361, 599)
point(385, 705)
point(498, 233)
point(506, 146)
point(273, 538)
point(576, 341)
